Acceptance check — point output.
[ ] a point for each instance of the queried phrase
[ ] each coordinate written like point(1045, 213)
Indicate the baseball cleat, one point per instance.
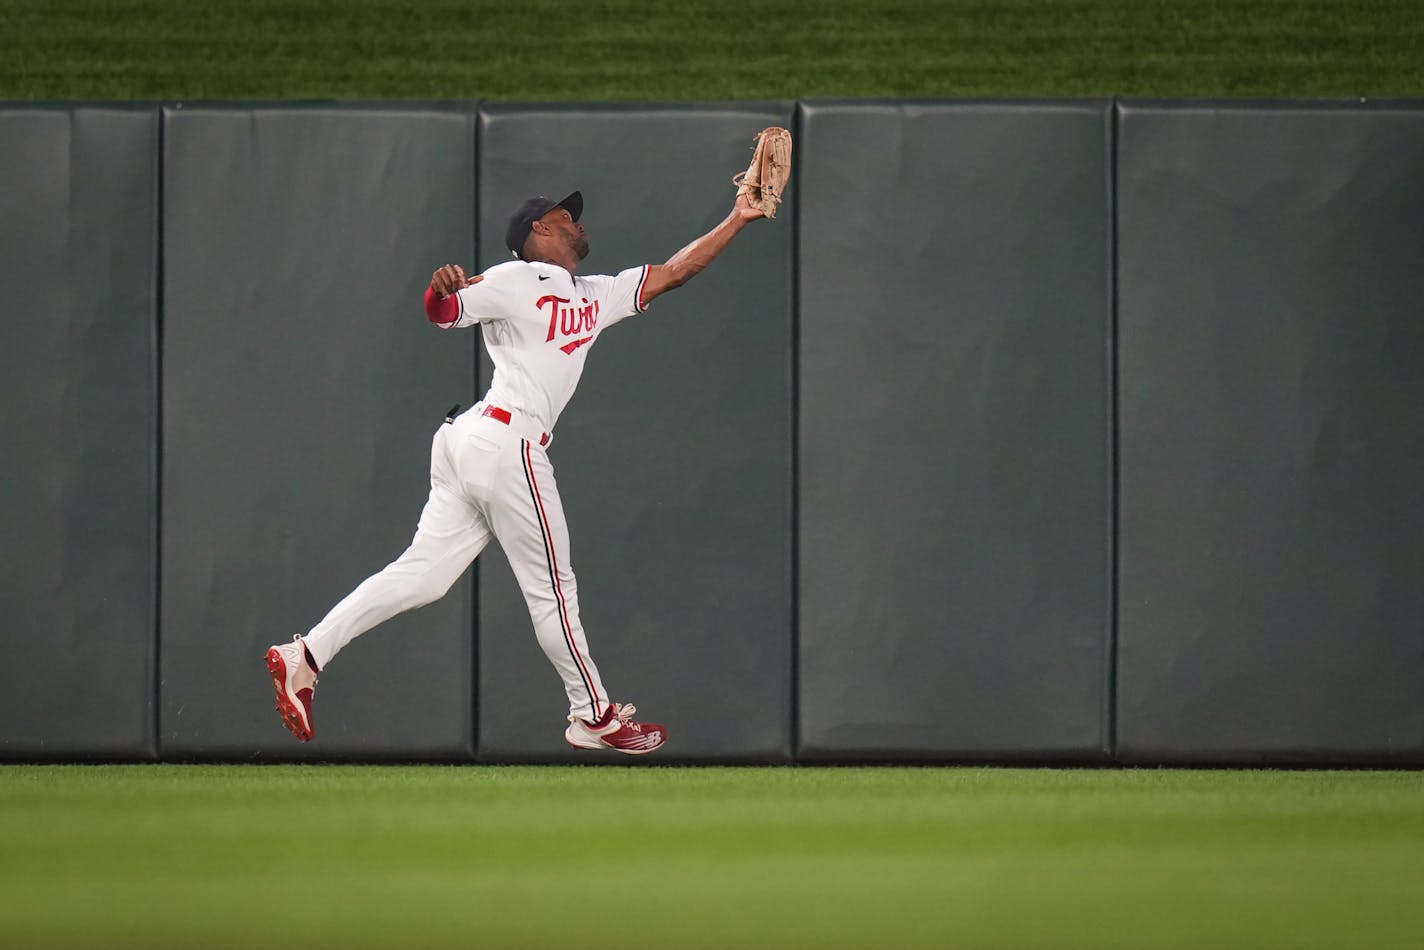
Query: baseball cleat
point(295, 682)
point(616, 730)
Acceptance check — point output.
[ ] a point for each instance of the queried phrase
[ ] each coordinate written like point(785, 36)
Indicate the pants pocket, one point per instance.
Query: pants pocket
point(477, 464)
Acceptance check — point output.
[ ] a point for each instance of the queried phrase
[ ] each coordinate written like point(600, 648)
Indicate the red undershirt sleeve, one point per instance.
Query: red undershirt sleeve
point(445, 311)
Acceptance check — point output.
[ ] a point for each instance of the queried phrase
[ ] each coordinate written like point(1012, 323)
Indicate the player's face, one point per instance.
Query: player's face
point(569, 231)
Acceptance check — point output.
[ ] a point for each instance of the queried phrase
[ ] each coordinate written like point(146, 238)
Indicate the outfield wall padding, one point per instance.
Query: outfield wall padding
point(1272, 433)
point(954, 540)
point(302, 387)
point(78, 245)
point(1050, 431)
point(674, 457)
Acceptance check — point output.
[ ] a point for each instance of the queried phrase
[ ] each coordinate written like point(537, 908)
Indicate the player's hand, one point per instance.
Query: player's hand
point(451, 278)
point(744, 210)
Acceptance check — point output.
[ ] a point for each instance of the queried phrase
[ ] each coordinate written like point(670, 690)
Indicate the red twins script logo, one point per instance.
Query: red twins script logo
point(570, 321)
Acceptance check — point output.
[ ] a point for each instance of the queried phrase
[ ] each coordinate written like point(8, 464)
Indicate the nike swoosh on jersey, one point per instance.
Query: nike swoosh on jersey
point(543, 276)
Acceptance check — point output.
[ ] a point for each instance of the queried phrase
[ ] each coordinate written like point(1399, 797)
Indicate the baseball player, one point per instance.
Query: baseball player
point(490, 473)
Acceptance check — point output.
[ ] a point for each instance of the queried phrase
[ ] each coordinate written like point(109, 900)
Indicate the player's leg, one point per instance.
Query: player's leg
point(448, 538)
point(528, 519)
point(450, 534)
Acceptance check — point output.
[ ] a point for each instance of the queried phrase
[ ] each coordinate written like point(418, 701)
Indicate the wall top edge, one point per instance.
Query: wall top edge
point(743, 105)
point(354, 105)
point(146, 105)
point(488, 107)
point(833, 101)
point(471, 105)
point(1333, 104)
point(58, 105)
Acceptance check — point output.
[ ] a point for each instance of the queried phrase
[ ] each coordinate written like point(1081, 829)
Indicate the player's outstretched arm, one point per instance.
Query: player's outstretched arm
point(688, 262)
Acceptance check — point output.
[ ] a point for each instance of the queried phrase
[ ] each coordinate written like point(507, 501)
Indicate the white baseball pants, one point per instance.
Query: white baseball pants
point(487, 479)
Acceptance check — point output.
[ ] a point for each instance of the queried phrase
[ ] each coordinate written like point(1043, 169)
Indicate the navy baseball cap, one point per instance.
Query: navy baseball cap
point(521, 222)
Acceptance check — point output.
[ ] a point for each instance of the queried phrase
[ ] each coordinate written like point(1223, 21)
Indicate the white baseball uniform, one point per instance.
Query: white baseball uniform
point(490, 475)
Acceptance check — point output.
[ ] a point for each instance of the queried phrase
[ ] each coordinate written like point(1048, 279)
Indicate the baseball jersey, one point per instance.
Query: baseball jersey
point(539, 322)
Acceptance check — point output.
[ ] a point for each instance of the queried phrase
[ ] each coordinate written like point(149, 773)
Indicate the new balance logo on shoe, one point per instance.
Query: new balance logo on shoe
point(616, 730)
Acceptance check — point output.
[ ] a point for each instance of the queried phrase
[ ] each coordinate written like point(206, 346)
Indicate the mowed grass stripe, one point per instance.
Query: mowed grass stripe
point(612, 857)
point(707, 49)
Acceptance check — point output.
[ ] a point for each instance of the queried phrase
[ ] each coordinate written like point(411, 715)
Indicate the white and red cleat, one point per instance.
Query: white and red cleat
point(295, 681)
point(616, 730)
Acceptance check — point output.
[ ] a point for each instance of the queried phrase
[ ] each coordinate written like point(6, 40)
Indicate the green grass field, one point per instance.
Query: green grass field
point(707, 49)
point(335, 856)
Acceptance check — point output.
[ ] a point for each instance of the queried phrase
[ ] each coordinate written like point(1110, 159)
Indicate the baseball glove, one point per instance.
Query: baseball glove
point(766, 177)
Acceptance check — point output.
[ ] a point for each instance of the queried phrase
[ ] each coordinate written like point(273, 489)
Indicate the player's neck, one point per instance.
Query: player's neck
point(569, 263)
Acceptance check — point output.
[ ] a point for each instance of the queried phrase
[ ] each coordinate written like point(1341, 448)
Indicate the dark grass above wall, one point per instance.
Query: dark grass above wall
point(707, 50)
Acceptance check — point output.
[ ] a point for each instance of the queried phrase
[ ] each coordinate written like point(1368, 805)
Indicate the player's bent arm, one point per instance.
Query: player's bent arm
point(691, 260)
point(442, 307)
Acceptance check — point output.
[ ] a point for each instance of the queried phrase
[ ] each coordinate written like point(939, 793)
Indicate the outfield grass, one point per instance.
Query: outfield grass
point(707, 49)
point(328, 856)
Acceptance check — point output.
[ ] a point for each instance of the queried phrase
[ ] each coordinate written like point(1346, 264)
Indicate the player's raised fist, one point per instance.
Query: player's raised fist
point(450, 278)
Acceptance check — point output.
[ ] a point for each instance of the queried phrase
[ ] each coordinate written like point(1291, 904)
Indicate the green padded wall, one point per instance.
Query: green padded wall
point(302, 386)
point(954, 532)
point(674, 457)
point(1272, 418)
point(848, 495)
point(78, 247)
